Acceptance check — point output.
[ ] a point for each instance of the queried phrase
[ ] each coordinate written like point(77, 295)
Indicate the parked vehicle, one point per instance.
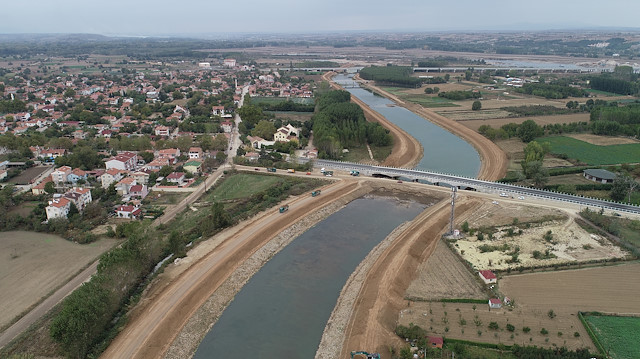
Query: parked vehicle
point(284, 208)
point(328, 173)
point(315, 193)
point(355, 173)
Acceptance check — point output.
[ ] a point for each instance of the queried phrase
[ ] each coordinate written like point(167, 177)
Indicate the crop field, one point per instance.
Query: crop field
point(443, 276)
point(618, 335)
point(26, 176)
point(540, 120)
point(33, 264)
point(593, 154)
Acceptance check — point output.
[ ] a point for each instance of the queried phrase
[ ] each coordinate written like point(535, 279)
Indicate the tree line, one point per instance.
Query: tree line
point(551, 91)
point(391, 76)
point(340, 124)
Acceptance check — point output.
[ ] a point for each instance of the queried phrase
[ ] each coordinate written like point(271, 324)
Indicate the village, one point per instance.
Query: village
point(134, 132)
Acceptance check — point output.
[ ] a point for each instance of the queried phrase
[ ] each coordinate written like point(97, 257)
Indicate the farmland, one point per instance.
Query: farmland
point(33, 264)
point(593, 154)
point(617, 335)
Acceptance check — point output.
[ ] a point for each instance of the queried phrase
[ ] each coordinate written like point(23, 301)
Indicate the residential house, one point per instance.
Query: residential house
point(81, 197)
point(252, 156)
point(218, 110)
point(229, 63)
point(76, 175)
point(195, 153)
point(61, 174)
point(487, 276)
point(258, 142)
point(141, 177)
point(495, 303)
point(110, 176)
point(435, 342)
point(58, 208)
point(138, 191)
point(123, 161)
point(52, 154)
point(226, 126)
point(286, 134)
point(162, 131)
point(170, 153)
point(38, 189)
point(128, 212)
point(176, 177)
point(3, 174)
point(193, 167)
point(124, 185)
point(158, 163)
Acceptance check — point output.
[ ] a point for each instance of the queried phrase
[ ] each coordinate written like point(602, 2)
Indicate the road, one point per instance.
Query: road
point(480, 185)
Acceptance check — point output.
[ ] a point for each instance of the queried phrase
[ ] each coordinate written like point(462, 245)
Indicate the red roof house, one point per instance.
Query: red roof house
point(488, 276)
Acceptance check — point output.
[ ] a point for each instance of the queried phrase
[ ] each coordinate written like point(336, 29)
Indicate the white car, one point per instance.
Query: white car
point(503, 194)
point(520, 197)
point(495, 202)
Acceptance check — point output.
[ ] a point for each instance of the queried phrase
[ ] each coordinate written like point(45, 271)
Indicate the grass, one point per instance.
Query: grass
point(618, 335)
point(423, 100)
point(603, 93)
point(357, 154)
point(593, 154)
point(165, 198)
point(243, 185)
point(273, 100)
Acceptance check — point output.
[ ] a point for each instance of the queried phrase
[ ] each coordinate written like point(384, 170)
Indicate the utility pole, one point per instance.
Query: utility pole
point(453, 206)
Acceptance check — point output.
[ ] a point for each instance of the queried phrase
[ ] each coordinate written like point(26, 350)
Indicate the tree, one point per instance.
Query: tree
point(146, 156)
point(477, 105)
point(528, 131)
point(623, 186)
point(50, 188)
point(220, 143)
point(264, 129)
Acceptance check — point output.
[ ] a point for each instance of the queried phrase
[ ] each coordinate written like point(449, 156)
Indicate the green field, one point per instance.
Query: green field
point(618, 335)
point(594, 154)
point(273, 100)
point(243, 185)
point(424, 100)
point(602, 93)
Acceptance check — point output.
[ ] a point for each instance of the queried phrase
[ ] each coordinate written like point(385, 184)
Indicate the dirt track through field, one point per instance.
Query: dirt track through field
point(151, 332)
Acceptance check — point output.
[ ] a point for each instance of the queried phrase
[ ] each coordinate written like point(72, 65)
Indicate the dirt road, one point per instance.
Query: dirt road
point(376, 310)
point(149, 334)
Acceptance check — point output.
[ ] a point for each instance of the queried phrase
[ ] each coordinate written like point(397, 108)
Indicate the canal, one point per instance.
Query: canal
point(444, 152)
point(282, 311)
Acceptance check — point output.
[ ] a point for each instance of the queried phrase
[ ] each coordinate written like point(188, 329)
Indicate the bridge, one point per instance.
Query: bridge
point(516, 69)
point(474, 184)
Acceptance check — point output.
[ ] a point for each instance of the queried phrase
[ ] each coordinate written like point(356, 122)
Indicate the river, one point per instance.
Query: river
point(282, 311)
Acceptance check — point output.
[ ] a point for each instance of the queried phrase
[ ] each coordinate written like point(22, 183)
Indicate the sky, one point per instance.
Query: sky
point(201, 17)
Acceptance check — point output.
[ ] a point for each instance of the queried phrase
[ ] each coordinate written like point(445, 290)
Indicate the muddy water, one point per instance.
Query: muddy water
point(282, 311)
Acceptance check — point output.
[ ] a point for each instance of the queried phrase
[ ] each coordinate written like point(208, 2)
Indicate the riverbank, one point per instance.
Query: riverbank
point(493, 160)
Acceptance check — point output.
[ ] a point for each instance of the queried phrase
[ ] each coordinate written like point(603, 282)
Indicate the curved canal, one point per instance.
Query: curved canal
point(444, 152)
point(282, 311)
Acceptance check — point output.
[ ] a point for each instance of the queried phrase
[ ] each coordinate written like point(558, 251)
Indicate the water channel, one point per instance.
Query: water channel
point(282, 311)
point(444, 152)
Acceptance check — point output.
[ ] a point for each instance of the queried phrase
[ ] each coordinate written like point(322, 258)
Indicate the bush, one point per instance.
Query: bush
point(476, 106)
point(544, 331)
point(526, 329)
point(511, 327)
point(494, 326)
point(551, 314)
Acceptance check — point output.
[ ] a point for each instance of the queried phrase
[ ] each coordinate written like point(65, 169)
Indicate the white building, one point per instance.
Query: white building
point(58, 208)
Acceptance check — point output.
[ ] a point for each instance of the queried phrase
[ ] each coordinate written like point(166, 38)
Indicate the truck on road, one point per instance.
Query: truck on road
point(291, 170)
